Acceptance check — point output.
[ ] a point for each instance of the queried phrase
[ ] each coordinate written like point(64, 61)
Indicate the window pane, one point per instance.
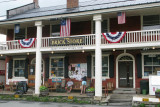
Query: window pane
point(19, 67)
point(156, 60)
point(151, 20)
point(147, 60)
point(55, 30)
point(147, 70)
point(20, 35)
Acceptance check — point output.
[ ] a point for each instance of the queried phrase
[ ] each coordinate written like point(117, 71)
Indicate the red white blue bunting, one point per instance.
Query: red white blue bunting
point(114, 37)
point(26, 43)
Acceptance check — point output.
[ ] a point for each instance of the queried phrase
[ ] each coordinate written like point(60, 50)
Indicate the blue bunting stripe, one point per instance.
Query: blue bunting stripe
point(26, 43)
point(114, 37)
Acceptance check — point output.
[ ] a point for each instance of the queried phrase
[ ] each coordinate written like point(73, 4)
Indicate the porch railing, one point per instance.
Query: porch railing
point(138, 37)
point(14, 44)
point(88, 40)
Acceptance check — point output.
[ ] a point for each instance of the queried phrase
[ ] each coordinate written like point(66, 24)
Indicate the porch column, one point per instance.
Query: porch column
point(98, 56)
point(38, 58)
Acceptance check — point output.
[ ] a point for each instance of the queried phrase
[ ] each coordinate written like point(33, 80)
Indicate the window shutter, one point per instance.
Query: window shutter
point(26, 68)
point(89, 66)
point(139, 65)
point(10, 70)
point(46, 68)
point(111, 66)
point(66, 61)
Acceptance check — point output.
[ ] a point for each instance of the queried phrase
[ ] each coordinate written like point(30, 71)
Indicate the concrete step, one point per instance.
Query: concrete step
point(121, 96)
point(124, 92)
point(131, 89)
point(120, 100)
point(120, 104)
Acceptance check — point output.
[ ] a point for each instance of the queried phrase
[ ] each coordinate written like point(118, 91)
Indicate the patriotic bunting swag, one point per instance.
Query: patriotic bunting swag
point(26, 43)
point(114, 37)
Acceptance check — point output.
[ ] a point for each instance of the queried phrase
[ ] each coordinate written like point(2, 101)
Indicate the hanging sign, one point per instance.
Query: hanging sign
point(114, 37)
point(26, 43)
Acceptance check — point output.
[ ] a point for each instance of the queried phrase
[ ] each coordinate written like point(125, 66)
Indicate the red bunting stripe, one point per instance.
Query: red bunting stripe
point(26, 43)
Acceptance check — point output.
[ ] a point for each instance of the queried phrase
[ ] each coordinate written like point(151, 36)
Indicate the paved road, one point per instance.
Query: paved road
point(41, 104)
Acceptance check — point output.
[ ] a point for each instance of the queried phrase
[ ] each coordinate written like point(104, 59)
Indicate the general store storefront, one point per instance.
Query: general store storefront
point(86, 52)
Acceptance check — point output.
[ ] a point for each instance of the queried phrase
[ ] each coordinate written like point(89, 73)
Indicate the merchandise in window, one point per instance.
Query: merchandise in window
point(19, 68)
point(57, 67)
point(151, 64)
point(104, 66)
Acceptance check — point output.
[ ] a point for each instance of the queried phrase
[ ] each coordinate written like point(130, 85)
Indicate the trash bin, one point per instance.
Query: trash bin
point(144, 87)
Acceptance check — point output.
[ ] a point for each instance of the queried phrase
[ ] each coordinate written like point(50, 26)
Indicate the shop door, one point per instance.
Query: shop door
point(31, 76)
point(125, 74)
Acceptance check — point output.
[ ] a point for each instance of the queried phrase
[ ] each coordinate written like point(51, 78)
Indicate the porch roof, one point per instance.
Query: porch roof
point(83, 7)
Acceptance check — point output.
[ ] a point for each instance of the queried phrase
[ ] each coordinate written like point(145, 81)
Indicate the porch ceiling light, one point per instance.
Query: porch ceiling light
point(83, 51)
point(28, 53)
point(52, 52)
point(1, 55)
point(153, 47)
point(114, 49)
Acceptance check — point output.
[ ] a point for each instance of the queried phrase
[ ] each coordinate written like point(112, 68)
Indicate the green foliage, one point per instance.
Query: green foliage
point(158, 90)
point(91, 89)
point(158, 105)
point(45, 99)
point(142, 105)
point(43, 88)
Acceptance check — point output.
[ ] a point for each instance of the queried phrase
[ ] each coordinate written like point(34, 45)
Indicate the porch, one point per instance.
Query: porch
point(144, 38)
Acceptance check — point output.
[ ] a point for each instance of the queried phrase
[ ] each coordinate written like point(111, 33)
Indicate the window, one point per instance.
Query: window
point(57, 67)
point(55, 31)
point(151, 64)
point(19, 68)
point(151, 22)
point(105, 65)
point(104, 26)
point(20, 35)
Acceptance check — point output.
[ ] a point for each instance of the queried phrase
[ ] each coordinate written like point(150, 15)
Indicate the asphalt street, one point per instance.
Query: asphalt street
point(41, 104)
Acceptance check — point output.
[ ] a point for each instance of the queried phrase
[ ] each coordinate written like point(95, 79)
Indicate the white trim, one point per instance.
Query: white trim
point(117, 60)
point(52, 57)
point(106, 77)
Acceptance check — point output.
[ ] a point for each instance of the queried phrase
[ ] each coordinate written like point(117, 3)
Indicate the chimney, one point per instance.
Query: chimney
point(72, 4)
point(36, 3)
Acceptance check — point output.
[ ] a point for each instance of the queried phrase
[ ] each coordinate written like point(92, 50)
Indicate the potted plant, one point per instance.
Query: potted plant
point(44, 91)
point(157, 93)
point(90, 91)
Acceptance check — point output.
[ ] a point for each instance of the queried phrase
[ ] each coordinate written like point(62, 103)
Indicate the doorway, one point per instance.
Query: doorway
point(125, 71)
point(31, 73)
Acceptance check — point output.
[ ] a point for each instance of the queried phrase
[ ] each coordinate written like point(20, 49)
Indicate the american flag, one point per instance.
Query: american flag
point(65, 27)
point(121, 17)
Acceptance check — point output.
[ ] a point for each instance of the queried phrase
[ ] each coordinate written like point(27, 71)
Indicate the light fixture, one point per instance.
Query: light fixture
point(52, 52)
point(28, 53)
point(1, 55)
point(83, 51)
point(114, 49)
point(153, 47)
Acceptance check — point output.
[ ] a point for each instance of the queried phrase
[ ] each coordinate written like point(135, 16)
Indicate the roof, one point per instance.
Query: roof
point(83, 7)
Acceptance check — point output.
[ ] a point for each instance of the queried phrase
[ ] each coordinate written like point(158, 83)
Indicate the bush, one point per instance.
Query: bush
point(43, 88)
point(158, 91)
point(90, 89)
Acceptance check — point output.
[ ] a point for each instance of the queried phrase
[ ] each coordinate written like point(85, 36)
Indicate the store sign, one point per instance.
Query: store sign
point(67, 41)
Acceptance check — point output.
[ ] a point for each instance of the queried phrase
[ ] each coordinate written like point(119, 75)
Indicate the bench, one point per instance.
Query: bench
point(77, 85)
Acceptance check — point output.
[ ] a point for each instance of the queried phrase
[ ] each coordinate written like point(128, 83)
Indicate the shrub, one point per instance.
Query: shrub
point(158, 90)
point(90, 89)
point(43, 88)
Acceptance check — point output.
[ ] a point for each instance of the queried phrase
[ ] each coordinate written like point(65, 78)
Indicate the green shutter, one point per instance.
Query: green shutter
point(46, 68)
point(26, 68)
point(139, 65)
point(66, 63)
point(111, 66)
point(10, 70)
point(89, 66)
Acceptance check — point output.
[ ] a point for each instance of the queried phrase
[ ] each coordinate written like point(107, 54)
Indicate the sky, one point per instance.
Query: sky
point(10, 4)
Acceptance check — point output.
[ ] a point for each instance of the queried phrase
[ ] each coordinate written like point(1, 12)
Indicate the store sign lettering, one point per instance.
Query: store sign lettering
point(67, 41)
